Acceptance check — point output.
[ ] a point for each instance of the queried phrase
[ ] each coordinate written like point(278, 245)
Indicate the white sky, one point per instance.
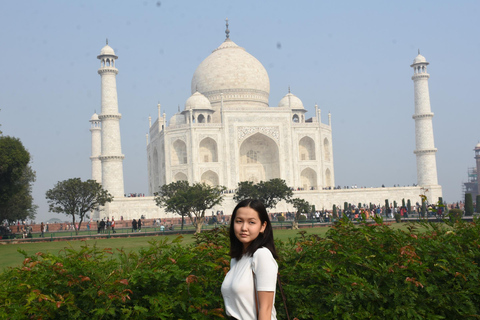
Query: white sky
point(351, 57)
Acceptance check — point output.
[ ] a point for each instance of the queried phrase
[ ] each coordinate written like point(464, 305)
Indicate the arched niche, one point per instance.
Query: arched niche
point(328, 178)
point(259, 159)
point(155, 172)
point(306, 149)
point(209, 177)
point(201, 118)
point(180, 176)
point(179, 152)
point(295, 118)
point(208, 150)
point(308, 178)
point(326, 149)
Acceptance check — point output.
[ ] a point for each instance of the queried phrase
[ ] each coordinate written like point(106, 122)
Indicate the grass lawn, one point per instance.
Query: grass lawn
point(10, 257)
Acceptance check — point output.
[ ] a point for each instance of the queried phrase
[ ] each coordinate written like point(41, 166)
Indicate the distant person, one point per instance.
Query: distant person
point(42, 226)
point(139, 223)
point(113, 226)
point(134, 225)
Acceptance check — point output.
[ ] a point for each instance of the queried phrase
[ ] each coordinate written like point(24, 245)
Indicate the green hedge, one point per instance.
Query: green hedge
point(365, 271)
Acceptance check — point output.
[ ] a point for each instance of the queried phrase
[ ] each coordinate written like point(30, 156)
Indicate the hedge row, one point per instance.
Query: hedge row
point(356, 272)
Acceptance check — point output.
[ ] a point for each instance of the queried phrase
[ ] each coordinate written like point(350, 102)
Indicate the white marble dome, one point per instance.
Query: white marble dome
point(419, 59)
point(107, 50)
point(291, 101)
point(94, 117)
point(233, 72)
point(177, 119)
point(477, 147)
point(197, 101)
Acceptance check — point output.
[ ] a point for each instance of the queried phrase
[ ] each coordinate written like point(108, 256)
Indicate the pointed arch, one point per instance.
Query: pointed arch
point(326, 149)
point(180, 176)
point(306, 149)
point(209, 177)
point(208, 151)
point(155, 172)
point(328, 178)
point(308, 178)
point(259, 159)
point(179, 152)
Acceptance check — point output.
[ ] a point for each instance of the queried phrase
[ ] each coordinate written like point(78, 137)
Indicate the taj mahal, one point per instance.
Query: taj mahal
point(229, 132)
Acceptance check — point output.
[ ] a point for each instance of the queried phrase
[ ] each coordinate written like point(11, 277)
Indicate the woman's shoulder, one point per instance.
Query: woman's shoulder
point(263, 252)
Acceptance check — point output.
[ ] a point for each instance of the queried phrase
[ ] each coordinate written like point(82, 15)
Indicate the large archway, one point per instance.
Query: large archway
point(179, 152)
point(259, 159)
point(209, 177)
point(306, 149)
point(208, 150)
point(308, 178)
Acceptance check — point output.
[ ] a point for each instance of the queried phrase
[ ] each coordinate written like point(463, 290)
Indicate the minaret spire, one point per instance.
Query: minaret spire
point(227, 32)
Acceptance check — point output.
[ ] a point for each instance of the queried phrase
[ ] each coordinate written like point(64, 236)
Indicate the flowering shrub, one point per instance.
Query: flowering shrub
point(355, 272)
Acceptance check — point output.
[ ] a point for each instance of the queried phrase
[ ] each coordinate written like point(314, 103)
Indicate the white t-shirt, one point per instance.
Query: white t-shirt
point(237, 287)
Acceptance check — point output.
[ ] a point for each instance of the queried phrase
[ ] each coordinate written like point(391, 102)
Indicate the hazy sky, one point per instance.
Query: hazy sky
point(352, 58)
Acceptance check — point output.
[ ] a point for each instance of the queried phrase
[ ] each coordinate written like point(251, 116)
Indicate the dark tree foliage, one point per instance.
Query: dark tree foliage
point(269, 192)
point(468, 204)
point(189, 200)
point(301, 206)
point(14, 159)
point(477, 204)
point(20, 205)
point(409, 207)
point(75, 197)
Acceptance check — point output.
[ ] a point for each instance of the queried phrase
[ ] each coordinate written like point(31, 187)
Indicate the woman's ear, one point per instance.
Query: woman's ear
point(264, 225)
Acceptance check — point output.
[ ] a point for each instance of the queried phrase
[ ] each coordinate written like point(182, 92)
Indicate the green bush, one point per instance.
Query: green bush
point(280, 218)
point(468, 204)
point(358, 271)
point(302, 218)
point(455, 215)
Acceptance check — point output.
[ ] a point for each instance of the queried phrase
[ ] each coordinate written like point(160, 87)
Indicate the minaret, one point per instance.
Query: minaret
point(112, 157)
point(424, 144)
point(96, 131)
point(477, 160)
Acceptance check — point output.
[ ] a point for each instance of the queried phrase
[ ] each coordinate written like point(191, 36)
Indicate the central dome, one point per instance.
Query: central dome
point(233, 72)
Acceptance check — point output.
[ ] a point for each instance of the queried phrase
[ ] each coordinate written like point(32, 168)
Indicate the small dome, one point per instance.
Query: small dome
point(419, 59)
point(107, 50)
point(291, 101)
point(477, 146)
point(177, 119)
point(197, 101)
point(94, 117)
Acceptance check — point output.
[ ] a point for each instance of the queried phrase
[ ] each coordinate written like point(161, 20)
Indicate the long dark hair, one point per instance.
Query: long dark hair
point(264, 239)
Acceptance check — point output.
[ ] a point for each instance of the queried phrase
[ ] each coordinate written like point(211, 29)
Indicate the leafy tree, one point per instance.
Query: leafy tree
point(75, 197)
point(301, 206)
point(14, 159)
point(20, 205)
point(477, 204)
point(468, 204)
point(192, 201)
point(409, 207)
point(269, 192)
point(334, 212)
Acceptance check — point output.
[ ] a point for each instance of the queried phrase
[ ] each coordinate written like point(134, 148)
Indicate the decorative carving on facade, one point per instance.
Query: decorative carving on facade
point(245, 132)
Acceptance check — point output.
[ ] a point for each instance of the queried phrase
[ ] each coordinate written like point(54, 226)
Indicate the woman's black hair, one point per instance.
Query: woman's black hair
point(264, 239)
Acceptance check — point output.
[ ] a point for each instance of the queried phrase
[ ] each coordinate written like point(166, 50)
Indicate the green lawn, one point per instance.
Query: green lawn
point(10, 257)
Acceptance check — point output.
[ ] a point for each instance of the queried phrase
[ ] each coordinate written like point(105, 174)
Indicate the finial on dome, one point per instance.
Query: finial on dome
point(107, 41)
point(227, 32)
point(288, 89)
point(418, 51)
point(178, 108)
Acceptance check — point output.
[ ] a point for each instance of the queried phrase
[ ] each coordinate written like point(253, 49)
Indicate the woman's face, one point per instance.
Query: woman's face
point(247, 225)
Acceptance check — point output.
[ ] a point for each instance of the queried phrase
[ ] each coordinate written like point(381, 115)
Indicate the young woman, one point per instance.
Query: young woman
point(249, 287)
